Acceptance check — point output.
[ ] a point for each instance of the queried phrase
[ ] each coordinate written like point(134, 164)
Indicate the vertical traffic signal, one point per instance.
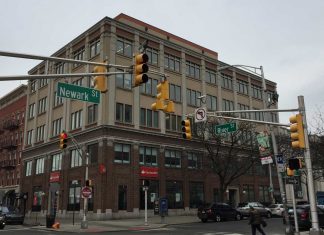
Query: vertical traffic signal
point(186, 129)
point(100, 81)
point(294, 164)
point(290, 172)
point(63, 140)
point(297, 131)
point(140, 69)
point(162, 94)
point(169, 107)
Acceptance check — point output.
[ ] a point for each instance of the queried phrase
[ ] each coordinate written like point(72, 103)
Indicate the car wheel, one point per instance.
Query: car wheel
point(238, 216)
point(204, 220)
point(217, 218)
point(268, 215)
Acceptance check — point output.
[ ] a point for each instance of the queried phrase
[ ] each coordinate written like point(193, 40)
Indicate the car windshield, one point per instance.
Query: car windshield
point(4, 209)
point(242, 204)
point(273, 206)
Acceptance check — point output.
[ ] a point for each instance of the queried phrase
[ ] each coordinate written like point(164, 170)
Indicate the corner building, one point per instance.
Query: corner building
point(123, 135)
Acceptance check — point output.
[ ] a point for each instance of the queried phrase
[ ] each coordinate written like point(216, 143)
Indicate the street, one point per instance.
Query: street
point(275, 227)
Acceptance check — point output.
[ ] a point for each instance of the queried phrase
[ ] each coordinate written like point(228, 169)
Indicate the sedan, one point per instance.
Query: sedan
point(12, 215)
point(276, 209)
point(244, 209)
point(303, 216)
point(218, 212)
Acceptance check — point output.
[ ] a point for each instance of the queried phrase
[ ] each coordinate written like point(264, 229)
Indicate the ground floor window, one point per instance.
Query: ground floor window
point(248, 193)
point(174, 194)
point(196, 192)
point(122, 197)
point(264, 194)
point(152, 194)
point(37, 198)
point(74, 195)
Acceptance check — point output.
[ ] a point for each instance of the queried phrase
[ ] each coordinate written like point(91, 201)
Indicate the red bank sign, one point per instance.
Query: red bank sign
point(150, 172)
point(54, 177)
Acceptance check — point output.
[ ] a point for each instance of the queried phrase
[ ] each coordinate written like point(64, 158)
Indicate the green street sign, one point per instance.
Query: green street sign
point(225, 128)
point(78, 92)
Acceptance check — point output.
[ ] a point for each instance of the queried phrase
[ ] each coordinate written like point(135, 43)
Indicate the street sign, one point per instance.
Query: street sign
point(226, 128)
point(200, 115)
point(86, 192)
point(78, 92)
point(292, 180)
point(280, 159)
point(266, 160)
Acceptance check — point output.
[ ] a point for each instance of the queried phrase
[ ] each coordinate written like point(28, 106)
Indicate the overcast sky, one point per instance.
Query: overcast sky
point(285, 37)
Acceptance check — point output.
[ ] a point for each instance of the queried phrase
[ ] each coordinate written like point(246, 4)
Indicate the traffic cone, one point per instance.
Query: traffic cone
point(56, 225)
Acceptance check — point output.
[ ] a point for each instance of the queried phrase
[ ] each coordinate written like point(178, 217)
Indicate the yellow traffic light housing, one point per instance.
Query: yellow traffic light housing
point(290, 172)
point(163, 95)
point(158, 105)
point(140, 69)
point(297, 131)
point(169, 108)
point(186, 129)
point(163, 90)
point(63, 140)
point(100, 81)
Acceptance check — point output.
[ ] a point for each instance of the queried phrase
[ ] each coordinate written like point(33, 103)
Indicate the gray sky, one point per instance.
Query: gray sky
point(285, 37)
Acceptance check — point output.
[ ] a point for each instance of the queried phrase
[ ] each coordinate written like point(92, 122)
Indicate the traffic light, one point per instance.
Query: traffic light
point(100, 81)
point(63, 140)
point(294, 164)
point(169, 108)
point(162, 95)
point(88, 183)
point(186, 129)
point(146, 183)
point(290, 172)
point(140, 68)
point(297, 131)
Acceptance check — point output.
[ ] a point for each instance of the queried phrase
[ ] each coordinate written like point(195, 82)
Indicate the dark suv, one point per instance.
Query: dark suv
point(218, 212)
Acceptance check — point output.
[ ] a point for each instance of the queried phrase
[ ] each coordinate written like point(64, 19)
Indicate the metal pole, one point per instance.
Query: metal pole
point(145, 191)
point(84, 222)
point(294, 208)
point(308, 163)
point(73, 203)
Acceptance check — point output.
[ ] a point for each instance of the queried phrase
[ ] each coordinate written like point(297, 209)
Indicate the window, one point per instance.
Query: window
point(124, 80)
point(149, 118)
point(274, 117)
point(123, 113)
point(175, 92)
point(57, 99)
point(173, 122)
point(93, 153)
point(42, 105)
point(40, 133)
point(256, 92)
point(29, 137)
point(79, 55)
point(43, 82)
point(149, 87)
point(40, 166)
point(148, 156)
point(31, 110)
point(59, 68)
point(258, 115)
point(244, 107)
point(172, 62)
point(77, 82)
point(57, 127)
point(194, 160)
point(264, 194)
point(192, 70)
point(172, 158)
point(92, 113)
point(122, 197)
point(33, 86)
point(227, 81)
point(153, 192)
point(174, 193)
point(76, 119)
point(37, 198)
point(57, 162)
point(242, 87)
point(28, 168)
point(248, 193)
point(122, 153)
point(124, 47)
point(211, 102)
point(210, 76)
point(74, 196)
point(94, 48)
point(192, 98)
point(196, 192)
point(153, 55)
point(227, 105)
point(76, 159)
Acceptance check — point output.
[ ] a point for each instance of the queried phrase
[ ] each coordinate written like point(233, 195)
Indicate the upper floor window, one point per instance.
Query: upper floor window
point(57, 127)
point(92, 113)
point(59, 68)
point(30, 135)
point(33, 86)
point(172, 62)
point(243, 87)
point(124, 80)
point(124, 47)
point(210, 76)
point(227, 105)
point(274, 117)
point(40, 133)
point(77, 82)
point(258, 115)
point(149, 118)
point(148, 156)
point(122, 153)
point(93, 150)
point(40, 166)
point(173, 122)
point(31, 110)
point(256, 92)
point(149, 87)
point(57, 99)
point(76, 119)
point(227, 81)
point(76, 159)
point(57, 162)
point(28, 168)
point(42, 105)
point(194, 160)
point(244, 107)
point(175, 92)
point(211, 102)
point(192, 70)
point(153, 55)
point(94, 48)
point(79, 55)
point(192, 97)
point(172, 158)
point(43, 82)
point(124, 113)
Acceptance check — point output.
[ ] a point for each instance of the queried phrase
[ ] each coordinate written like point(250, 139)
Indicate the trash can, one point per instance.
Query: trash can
point(50, 219)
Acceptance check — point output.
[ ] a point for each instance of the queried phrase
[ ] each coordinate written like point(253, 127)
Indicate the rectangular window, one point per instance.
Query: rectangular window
point(124, 47)
point(194, 160)
point(92, 113)
point(57, 162)
point(31, 110)
point(57, 99)
point(172, 62)
point(40, 166)
point(228, 105)
point(79, 55)
point(28, 168)
point(192, 70)
point(76, 159)
point(196, 190)
point(172, 158)
point(211, 102)
point(122, 153)
point(59, 68)
point(153, 55)
point(57, 127)
point(40, 133)
point(30, 135)
point(149, 118)
point(93, 153)
point(264, 194)
point(175, 92)
point(122, 197)
point(77, 82)
point(124, 80)
point(33, 86)
point(243, 87)
point(38, 195)
point(42, 105)
point(95, 48)
point(210, 76)
point(248, 193)
point(173, 122)
point(227, 81)
point(43, 82)
point(243, 107)
point(256, 92)
point(192, 98)
point(74, 196)
point(174, 193)
point(149, 88)
point(76, 119)
point(124, 113)
point(258, 116)
point(148, 156)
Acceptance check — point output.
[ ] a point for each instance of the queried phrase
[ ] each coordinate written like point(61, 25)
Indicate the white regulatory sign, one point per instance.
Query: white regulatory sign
point(266, 160)
point(200, 115)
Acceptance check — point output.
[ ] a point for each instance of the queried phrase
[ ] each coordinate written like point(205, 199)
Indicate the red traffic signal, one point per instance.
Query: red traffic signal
point(63, 140)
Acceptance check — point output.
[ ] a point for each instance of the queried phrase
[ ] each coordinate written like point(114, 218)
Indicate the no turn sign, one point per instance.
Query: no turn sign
point(86, 192)
point(200, 115)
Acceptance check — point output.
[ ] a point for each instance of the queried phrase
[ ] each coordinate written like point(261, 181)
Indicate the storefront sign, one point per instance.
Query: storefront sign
point(54, 177)
point(150, 172)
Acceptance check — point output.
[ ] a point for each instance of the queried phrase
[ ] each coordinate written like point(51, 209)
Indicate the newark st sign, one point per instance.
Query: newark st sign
point(78, 92)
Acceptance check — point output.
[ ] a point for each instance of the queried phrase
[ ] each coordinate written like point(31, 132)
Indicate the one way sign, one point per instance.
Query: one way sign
point(292, 180)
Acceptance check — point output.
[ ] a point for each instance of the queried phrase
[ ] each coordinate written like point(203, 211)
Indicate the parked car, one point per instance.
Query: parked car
point(277, 209)
point(12, 215)
point(2, 222)
point(218, 212)
point(244, 209)
point(303, 216)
